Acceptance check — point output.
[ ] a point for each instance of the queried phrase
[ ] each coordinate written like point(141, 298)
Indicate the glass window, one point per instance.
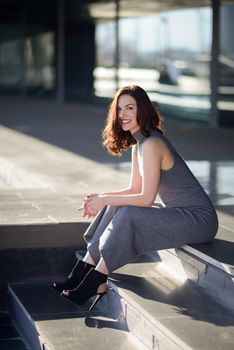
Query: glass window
point(11, 65)
point(183, 62)
point(27, 47)
point(226, 65)
point(167, 52)
point(105, 72)
point(39, 53)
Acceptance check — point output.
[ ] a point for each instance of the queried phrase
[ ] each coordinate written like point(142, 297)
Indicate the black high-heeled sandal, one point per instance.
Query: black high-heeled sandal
point(76, 276)
point(87, 289)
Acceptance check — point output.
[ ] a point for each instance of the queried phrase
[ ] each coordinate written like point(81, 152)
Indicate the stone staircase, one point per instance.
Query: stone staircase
point(147, 307)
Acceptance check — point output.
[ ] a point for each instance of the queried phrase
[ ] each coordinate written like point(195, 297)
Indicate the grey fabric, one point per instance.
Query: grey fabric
point(95, 230)
point(120, 235)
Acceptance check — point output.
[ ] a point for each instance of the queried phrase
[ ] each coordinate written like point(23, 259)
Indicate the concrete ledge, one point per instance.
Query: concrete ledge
point(43, 235)
point(228, 269)
point(214, 278)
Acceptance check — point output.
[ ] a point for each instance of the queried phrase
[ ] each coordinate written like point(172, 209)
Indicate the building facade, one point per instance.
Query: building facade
point(181, 53)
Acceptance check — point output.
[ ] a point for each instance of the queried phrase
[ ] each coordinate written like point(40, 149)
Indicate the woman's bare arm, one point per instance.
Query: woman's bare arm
point(147, 190)
point(135, 179)
point(152, 158)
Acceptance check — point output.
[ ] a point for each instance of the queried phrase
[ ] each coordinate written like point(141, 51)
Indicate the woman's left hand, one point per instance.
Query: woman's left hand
point(93, 204)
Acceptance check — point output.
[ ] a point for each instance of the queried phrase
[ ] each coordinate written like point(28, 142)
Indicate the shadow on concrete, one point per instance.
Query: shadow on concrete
point(184, 299)
point(93, 322)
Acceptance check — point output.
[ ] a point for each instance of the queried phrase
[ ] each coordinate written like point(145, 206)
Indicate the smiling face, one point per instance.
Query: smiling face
point(127, 113)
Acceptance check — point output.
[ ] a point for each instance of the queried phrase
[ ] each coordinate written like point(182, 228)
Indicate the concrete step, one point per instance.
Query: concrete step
point(10, 338)
point(193, 263)
point(42, 234)
point(167, 313)
point(144, 301)
point(49, 322)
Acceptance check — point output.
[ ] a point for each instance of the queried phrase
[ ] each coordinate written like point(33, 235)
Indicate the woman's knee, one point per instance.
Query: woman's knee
point(128, 215)
point(112, 207)
point(128, 211)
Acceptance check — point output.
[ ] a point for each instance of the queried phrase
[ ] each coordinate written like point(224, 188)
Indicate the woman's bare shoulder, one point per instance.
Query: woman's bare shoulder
point(155, 146)
point(154, 143)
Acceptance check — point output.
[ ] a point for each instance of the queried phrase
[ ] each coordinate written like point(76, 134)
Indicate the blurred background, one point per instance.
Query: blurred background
point(180, 52)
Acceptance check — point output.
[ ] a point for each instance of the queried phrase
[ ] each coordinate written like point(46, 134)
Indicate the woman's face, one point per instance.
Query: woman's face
point(127, 113)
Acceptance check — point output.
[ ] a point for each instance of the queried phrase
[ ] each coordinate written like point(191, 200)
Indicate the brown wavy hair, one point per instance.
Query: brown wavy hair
point(115, 139)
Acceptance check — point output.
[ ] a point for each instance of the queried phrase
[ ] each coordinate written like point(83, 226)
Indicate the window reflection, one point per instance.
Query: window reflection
point(167, 53)
point(39, 58)
point(226, 60)
point(217, 180)
point(163, 46)
point(27, 64)
point(104, 73)
point(11, 64)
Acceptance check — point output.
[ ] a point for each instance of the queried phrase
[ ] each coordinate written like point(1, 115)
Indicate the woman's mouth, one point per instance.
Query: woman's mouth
point(125, 121)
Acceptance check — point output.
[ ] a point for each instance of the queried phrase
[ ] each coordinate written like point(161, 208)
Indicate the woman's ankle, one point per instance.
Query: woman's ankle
point(102, 288)
point(87, 259)
point(101, 267)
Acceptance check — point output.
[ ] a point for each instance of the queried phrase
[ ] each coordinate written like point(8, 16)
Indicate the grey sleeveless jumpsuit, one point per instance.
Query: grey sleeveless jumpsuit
point(186, 216)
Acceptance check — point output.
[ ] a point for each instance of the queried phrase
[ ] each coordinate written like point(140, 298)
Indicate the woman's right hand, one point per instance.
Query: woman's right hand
point(85, 207)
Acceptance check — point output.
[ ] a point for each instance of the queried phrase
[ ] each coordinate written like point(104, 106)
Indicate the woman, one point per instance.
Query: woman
point(130, 222)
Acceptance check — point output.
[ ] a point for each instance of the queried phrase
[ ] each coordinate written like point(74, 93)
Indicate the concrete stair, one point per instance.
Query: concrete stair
point(49, 322)
point(146, 307)
point(10, 338)
point(214, 277)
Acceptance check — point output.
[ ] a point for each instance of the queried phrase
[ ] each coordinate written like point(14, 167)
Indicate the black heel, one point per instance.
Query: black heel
point(87, 289)
point(76, 276)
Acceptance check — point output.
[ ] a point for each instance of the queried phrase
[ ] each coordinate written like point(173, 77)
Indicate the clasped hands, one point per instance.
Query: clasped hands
point(92, 204)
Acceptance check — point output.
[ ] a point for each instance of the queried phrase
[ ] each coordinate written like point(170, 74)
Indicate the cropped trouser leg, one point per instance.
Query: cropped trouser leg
point(96, 229)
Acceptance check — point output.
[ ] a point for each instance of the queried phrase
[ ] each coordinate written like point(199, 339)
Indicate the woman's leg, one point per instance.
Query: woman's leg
point(136, 230)
point(95, 231)
point(81, 268)
point(101, 267)
point(93, 256)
